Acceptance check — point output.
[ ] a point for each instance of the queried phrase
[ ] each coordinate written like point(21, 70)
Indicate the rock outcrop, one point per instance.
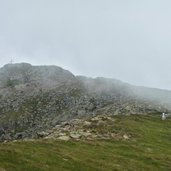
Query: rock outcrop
point(97, 127)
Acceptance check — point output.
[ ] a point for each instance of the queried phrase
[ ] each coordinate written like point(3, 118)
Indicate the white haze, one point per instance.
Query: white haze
point(127, 40)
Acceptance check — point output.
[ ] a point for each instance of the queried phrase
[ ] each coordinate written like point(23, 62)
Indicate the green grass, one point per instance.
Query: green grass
point(149, 149)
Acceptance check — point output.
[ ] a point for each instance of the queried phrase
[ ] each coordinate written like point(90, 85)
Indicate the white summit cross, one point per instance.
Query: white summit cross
point(11, 61)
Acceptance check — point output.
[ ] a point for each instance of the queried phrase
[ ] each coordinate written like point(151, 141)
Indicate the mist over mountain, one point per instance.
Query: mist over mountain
point(37, 98)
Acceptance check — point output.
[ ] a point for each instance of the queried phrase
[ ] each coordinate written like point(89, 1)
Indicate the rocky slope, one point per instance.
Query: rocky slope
point(34, 99)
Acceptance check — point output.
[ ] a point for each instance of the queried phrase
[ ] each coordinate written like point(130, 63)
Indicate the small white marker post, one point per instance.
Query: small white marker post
point(163, 116)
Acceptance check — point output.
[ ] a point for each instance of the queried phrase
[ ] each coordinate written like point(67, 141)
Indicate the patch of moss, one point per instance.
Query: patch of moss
point(12, 83)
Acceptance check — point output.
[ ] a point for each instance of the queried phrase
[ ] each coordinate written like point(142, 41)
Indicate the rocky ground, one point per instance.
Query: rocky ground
point(94, 128)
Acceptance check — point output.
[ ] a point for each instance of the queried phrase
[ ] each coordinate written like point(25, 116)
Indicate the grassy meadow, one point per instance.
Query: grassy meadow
point(148, 148)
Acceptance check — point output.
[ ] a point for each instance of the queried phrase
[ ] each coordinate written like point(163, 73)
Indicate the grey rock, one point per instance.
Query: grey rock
point(64, 138)
point(42, 134)
point(75, 135)
point(2, 131)
point(19, 135)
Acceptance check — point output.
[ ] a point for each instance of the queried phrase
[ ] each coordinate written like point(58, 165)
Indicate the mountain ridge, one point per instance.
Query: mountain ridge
point(36, 98)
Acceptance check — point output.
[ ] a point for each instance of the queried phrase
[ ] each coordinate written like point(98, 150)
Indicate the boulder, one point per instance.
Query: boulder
point(64, 138)
point(19, 135)
point(75, 135)
point(126, 137)
point(86, 123)
point(42, 134)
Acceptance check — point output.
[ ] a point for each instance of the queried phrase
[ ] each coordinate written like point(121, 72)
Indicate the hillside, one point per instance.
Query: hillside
point(34, 99)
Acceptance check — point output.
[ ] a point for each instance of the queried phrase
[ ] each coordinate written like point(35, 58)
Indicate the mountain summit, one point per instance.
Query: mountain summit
point(46, 76)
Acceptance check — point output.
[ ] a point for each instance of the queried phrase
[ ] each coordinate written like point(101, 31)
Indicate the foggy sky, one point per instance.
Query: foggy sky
point(126, 40)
